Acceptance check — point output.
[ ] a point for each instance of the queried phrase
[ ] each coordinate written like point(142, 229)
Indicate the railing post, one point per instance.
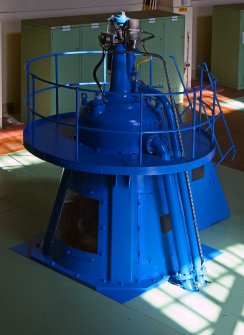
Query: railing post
point(151, 69)
point(28, 95)
point(77, 124)
point(33, 108)
point(194, 125)
point(56, 82)
point(105, 72)
point(200, 98)
point(213, 113)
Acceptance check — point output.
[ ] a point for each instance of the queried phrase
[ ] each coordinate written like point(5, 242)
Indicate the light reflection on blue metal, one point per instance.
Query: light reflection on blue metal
point(129, 154)
point(121, 19)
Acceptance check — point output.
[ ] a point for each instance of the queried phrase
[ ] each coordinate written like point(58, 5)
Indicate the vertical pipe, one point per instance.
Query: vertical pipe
point(56, 82)
point(178, 223)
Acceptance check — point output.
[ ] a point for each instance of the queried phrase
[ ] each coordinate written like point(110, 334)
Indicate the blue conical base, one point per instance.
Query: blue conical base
point(109, 233)
point(209, 199)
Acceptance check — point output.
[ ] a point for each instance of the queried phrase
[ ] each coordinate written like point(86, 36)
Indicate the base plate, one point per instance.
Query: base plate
point(118, 293)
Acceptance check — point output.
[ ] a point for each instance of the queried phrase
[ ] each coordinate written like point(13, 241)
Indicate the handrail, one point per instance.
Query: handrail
point(197, 121)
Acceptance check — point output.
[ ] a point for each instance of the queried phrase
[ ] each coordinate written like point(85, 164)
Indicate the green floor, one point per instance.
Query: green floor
point(38, 301)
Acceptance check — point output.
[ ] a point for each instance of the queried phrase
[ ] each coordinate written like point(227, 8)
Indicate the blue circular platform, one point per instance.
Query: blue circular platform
point(57, 138)
point(56, 143)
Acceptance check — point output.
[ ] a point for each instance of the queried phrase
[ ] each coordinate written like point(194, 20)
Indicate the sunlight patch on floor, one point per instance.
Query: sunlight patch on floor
point(239, 329)
point(237, 249)
point(208, 331)
point(237, 104)
point(217, 291)
point(157, 298)
point(185, 317)
point(227, 281)
point(203, 306)
point(15, 161)
point(198, 313)
point(231, 261)
point(215, 270)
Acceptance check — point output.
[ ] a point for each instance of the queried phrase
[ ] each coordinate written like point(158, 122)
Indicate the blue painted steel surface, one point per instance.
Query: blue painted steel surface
point(127, 212)
point(209, 200)
point(114, 292)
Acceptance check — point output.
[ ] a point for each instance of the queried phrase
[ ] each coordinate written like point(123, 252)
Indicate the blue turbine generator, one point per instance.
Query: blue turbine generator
point(138, 180)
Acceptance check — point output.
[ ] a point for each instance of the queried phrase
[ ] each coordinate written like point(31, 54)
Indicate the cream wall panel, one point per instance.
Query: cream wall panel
point(202, 26)
point(20, 9)
point(202, 29)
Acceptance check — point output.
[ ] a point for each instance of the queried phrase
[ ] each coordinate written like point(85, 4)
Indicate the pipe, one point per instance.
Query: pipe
point(156, 145)
point(185, 275)
point(170, 115)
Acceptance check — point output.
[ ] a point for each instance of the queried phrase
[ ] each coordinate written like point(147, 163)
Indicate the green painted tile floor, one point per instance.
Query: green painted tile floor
point(35, 300)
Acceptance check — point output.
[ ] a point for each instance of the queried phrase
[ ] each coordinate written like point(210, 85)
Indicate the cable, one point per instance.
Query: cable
point(95, 71)
point(142, 43)
point(143, 60)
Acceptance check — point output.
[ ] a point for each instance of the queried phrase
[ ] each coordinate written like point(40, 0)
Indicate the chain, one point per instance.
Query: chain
point(186, 172)
point(194, 216)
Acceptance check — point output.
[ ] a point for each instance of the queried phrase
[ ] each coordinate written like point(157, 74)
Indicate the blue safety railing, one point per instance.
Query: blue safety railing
point(194, 115)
